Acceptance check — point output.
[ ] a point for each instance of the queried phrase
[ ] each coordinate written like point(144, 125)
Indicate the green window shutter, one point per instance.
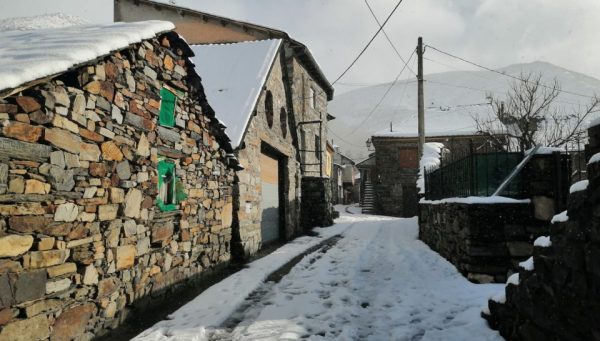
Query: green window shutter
point(166, 186)
point(167, 108)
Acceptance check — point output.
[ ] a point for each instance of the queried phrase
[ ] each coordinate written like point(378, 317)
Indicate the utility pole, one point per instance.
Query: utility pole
point(421, 101)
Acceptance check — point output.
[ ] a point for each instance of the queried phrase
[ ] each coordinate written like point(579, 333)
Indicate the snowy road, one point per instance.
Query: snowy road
point(378, 282)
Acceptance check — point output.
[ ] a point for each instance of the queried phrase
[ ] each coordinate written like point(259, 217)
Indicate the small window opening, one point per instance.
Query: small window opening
point(269, 108)
point(283, 121)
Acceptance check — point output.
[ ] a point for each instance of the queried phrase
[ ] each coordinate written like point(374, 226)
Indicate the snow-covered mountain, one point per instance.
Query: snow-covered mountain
point(451, 101)
point(53, 20)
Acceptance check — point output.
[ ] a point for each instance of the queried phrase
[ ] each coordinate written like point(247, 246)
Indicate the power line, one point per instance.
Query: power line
point(357, 84)
point(504, 74)
point(368, 44)
point(387, 37)
point(487, 90)
point(348, 142)
point(386, 93)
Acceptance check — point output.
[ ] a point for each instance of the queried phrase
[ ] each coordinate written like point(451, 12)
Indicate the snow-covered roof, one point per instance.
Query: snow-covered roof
point(233, 76)
point(29, 55)
point(437, 123)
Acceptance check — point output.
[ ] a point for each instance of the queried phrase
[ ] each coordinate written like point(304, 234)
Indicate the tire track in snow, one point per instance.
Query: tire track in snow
point(377, 283)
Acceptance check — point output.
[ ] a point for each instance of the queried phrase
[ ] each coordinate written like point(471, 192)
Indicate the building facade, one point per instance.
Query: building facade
point(396, 167)
point(115, 180)
point(287, 192)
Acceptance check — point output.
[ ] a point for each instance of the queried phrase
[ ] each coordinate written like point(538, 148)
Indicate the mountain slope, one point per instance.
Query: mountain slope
point(451, 101)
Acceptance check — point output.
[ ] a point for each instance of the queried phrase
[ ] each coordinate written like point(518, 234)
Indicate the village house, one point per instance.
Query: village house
point(393, 170)
point(347, 178)
point(278, 127)
point(115, 176)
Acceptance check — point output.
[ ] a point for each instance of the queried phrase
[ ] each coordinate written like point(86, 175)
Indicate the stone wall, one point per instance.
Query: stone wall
point(81, 237)
point(274, 133)
point(316, 203)
point(558, 297)
point(487, 241)
point(484, 241)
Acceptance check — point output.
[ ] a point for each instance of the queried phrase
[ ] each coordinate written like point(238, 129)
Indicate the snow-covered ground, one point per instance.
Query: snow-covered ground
point(378, 282)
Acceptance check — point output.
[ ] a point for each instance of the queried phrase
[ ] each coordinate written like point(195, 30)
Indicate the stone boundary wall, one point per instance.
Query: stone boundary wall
point(316, 206)
point(81, 236)
point(558, 297)
point(484, 241)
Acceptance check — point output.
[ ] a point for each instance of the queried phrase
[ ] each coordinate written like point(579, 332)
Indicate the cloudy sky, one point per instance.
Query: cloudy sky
point(495, 33)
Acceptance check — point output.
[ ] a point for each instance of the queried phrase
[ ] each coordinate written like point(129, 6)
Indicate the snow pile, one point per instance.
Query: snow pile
point(432, 153)
point(29, 55)
point(579, 186)
point(500, 297)
point(477, 200)
point(528, 264)
point(542, 241)
point(513, 279)
point(54, 20)
point(594, 158)
point(560, 218)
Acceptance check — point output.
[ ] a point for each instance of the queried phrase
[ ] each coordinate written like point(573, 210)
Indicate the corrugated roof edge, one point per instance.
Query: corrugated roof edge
point(284, 35)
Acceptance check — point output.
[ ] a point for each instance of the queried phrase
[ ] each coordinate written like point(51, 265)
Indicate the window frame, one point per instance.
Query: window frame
point(164, 167)
point(312, 97)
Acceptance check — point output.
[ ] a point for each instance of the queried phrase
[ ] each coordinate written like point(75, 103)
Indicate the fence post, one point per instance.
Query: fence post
point(558, 180)
point(425, 183)
point(472, 171)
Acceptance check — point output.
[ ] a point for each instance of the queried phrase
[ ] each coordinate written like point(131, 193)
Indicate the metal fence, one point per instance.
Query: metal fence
point(476, 174)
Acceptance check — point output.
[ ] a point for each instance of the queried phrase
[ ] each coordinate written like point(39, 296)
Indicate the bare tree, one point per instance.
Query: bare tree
point(529, 115)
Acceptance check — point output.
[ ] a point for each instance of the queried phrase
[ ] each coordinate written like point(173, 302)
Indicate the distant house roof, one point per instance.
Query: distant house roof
point(370, 161)
point(301, 51)
point(438, 123)
point(26, 56)
point(233, 76)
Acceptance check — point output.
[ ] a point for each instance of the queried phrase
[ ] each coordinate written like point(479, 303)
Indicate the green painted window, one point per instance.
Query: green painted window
point(170, 189)
point(167, 108)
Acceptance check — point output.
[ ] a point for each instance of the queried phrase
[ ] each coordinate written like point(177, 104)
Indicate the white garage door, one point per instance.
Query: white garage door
point(269, 174)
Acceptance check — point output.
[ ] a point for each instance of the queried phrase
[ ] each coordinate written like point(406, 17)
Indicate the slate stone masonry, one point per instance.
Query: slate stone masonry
point(81, 236)
point(484, 241)
point(316, 203)
point(559, 299)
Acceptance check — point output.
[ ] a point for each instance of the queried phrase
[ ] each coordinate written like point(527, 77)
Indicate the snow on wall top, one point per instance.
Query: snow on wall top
point(53, 20)
point(233, 76)
point(29, 55)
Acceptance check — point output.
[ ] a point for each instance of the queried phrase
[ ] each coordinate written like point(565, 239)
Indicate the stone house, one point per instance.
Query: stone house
point(396, 166)
point(295, 90)
point(348, 178)
point(115, 177)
